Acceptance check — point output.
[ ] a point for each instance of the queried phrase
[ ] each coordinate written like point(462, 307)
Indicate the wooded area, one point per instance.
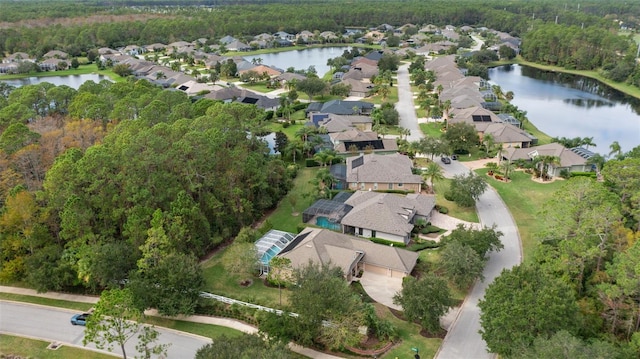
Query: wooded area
point(127, 182)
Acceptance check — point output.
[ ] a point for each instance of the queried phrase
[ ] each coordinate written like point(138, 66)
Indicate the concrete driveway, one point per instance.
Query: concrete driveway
point(381, 288)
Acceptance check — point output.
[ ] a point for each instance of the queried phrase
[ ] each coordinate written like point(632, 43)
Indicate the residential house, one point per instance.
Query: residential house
point(53, 64)
point(17, 57)
point(338, 123)
point(383, 172)
point(156, 47)
point(571, 160)
point(284, 36)
point(57, 54)
point(286, 78)
point(226, 40)
point(340, 107)
point(358, 88)
point(262, 69)
point(329, 36)
point(354, 141)
point(238, 46)
point(387, 216)
point(133, 50)
point(351, 254)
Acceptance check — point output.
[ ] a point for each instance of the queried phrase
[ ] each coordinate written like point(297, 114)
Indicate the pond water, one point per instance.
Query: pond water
point(302, 59)
point(271, 142)
point(70, 80)
point(564, 105)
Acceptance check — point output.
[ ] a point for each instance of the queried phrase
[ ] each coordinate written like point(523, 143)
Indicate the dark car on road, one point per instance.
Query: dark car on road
point(445, 160)
point(80, 319)
point(454, 157)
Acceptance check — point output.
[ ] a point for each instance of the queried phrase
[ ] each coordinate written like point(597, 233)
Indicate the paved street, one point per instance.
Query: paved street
point(405, 106)
point(463, 340)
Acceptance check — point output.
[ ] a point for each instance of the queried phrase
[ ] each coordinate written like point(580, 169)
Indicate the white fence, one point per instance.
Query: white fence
point(222, 299)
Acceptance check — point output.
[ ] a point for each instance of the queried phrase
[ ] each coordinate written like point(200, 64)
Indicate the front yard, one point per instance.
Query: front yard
point(524, 198)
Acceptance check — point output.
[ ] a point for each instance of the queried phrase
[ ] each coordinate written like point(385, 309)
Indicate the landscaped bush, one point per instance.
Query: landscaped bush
point(310, 162)
point(285, 124)
point(300, 106)
point(564, 173)
point(443, 209)
point(583, 174)
point(426, 244)
point(387, 242)
point(431, 229)
point(448, 196)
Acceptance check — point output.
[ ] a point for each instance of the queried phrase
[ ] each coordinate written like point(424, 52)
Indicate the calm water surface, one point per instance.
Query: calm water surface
point(70, 80)
point(563, 105)
point(302, 59)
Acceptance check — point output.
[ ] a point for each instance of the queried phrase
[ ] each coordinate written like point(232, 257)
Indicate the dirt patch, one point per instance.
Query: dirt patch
point(441, 334)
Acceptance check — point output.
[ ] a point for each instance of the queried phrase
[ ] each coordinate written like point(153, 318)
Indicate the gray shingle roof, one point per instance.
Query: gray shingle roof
point(325, 246)
point(392, 168)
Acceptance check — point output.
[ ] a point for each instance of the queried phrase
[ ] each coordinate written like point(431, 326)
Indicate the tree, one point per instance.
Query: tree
point(462, 265)
point(280, 272)
point(623, 178)
point(481, 241)
point(244, 347)
point(506, 167)
point(488, 142)
point(332, 321)
point(241, 259)
point(122, 70)
point(424, 300)
point(563, 345)
point(114, 321)
point(281, 142)
point(312, 86)
point(615, 149)
point(466, 189)
point(388, 62)
point(461, 137)
point(433, 173)
point(522, 304)
point(506, 53)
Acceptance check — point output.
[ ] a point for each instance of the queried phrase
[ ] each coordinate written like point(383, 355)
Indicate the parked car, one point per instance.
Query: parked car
point(445, 160)
point(80, 319)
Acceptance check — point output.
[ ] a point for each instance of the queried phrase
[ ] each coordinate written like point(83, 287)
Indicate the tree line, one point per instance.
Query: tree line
point(128, 182)
point(578, 296)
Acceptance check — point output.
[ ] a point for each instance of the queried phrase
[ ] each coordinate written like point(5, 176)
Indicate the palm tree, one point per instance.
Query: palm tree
point(294, 147)
point(597, 161)
point(587, 141)
point(433, 173)
point(506, 167)
point(405, 132)
point(488, 142)
point(304, 132)
point(615, 149)
point(544, 162)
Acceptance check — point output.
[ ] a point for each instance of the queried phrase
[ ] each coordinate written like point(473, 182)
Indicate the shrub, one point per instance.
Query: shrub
point(448, 196)
point(310, 162)
point(431, 229)
point(415, 247)
point(285, 124)
point(443, 210)
point(564, 173)
point(387, 242)
point(583, 174)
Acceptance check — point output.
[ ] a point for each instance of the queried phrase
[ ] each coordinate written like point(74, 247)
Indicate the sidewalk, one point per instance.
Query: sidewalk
point(220, 321)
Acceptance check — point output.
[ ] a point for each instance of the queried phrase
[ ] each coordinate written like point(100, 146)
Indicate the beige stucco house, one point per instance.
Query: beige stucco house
point(351, 254)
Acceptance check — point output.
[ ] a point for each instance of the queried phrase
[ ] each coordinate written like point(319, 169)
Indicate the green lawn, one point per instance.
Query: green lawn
point(378, 100)
point(83, 307)
point(81, 70)
point(205, 330)
point(468, 214)
point(220, 282)
point(286, 218)
point(524, 198)
point(432, 129)
point(37, 349)
point(410, 338)
point(258, 86)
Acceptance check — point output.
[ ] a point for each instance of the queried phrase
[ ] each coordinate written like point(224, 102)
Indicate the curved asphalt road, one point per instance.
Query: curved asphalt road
point(463, 340)
point(52, 324)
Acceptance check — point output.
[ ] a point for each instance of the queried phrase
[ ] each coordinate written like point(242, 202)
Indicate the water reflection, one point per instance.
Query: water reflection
point(566, 105)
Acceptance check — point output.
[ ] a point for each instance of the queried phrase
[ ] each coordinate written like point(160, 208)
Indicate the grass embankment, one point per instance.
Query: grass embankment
point(81, 70)
point(524, 198)
point(36, 349)
point(468, 214)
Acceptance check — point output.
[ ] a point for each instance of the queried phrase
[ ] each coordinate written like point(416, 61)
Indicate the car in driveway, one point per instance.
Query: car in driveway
point(445, 160)
point(80, 319)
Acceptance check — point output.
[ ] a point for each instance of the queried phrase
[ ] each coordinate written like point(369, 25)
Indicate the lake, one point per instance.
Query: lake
point(70, 80)
point(302, 59)
point(565, 105)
